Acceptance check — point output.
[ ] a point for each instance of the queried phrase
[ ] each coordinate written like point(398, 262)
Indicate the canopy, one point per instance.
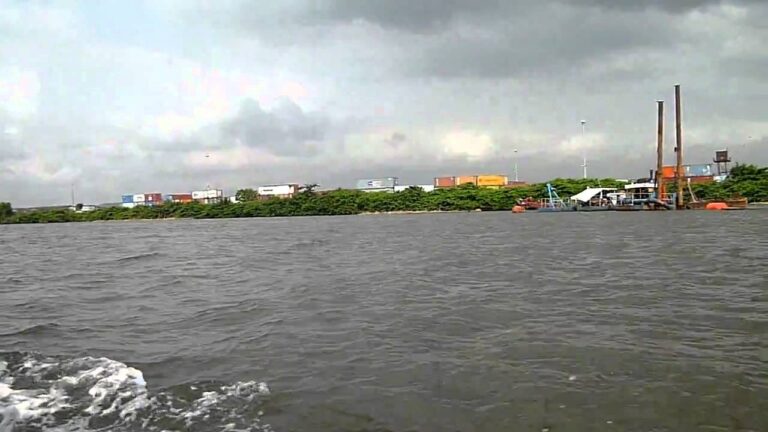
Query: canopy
point(587, 194)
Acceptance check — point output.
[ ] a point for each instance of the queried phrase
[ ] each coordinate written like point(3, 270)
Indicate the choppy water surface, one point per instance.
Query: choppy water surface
point(449, 322)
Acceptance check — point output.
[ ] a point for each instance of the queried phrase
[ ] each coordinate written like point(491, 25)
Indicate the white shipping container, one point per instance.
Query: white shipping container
point(138, 198)
point(380, 183)
point(199, 194)
point(214, 193)
point(276, 190)
point(129, 205)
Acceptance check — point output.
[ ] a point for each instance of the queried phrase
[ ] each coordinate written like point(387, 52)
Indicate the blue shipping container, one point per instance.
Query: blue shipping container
point(127, 199)
point(700, 170)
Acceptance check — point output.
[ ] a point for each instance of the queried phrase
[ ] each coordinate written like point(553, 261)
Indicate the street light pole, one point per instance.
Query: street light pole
point(516, 178)
point(583, 142)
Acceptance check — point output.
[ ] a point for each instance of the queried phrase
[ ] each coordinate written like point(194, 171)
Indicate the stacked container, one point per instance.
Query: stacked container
point(443, 182)
point(491, 180)
point(153, 199)
point(138, 199)
point(179, 198)
point(127, 201)
point(209, 196)
point(461, 180)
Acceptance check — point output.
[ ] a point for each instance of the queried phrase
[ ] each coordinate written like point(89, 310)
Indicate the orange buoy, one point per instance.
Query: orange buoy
point(518, 209)
point(716, 206)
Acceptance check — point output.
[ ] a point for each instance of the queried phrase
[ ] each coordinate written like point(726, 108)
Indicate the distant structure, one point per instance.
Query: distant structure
point(583, 134)
point(722, 159)
point(278, 191)
point(386, 184)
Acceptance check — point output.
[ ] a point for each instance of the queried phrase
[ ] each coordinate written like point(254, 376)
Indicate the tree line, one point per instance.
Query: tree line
point(747, 181)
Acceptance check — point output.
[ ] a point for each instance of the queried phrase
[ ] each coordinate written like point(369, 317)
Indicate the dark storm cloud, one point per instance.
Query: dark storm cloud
point(672, 6)
point(557, 42)
point(286, 130)
point(418, 16)
point(437, 15)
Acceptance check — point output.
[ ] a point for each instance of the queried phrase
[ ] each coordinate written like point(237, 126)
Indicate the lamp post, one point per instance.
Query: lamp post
point(583, 142)
point(516, 178)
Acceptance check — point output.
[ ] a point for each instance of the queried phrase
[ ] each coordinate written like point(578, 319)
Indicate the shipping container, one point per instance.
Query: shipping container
point(381, 183)
point(668, 171)
point(179, 197)
point(425, 188)
point(491, 180)
point(138, 198)
point(445, 181)
point(514, 184)
point(153, 197)
point(460, 180)
point(127, 199)
point(207, 194)
point(214, 193)
point(283, 191)
point(700, 170)
point(129, 205)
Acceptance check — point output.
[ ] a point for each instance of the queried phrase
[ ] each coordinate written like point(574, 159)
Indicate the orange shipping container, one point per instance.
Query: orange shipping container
point(668, 171)
point(460, 180)
point(445, 181)
point(491, 180)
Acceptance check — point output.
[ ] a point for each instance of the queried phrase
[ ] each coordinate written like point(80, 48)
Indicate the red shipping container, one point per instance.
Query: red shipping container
point(156, 198)
point(445, 181)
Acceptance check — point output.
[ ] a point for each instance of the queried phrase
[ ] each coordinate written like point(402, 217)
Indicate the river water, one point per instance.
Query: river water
point(438, 322)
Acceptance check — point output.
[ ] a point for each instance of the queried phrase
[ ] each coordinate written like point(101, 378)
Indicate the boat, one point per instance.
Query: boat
point(554, 203)
point(529, 204)
point(595, 199)
point(730, 204)
point(641, 195)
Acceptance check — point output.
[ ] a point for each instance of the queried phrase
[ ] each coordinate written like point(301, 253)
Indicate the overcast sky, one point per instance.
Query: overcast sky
point(170, 96)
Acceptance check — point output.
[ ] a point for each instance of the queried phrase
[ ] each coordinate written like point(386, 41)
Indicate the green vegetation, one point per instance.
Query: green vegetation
point(6, 211)
point(746, 180)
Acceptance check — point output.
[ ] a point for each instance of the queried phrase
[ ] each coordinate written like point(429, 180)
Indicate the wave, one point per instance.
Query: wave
point(138, 256)
point(100, 394)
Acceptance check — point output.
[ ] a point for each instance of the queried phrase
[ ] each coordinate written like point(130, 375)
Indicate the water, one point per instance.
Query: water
point(447, 322)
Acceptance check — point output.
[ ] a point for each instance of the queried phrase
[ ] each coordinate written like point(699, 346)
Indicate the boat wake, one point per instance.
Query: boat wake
point(73, 394)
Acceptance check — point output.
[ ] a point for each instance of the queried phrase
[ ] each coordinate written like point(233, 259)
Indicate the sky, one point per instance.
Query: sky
point(116, 97)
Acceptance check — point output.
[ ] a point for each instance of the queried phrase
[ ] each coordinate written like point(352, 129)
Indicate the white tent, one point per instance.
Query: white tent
point(587, 194)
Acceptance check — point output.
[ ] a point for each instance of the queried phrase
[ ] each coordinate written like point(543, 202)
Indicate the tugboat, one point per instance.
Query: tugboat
point(642, 196)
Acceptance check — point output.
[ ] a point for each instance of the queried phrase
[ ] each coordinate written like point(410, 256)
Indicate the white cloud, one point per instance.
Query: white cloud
point(472, 145)
point(19, 91)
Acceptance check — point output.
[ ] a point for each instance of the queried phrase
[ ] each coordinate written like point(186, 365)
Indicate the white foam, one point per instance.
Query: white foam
point(114, 392)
